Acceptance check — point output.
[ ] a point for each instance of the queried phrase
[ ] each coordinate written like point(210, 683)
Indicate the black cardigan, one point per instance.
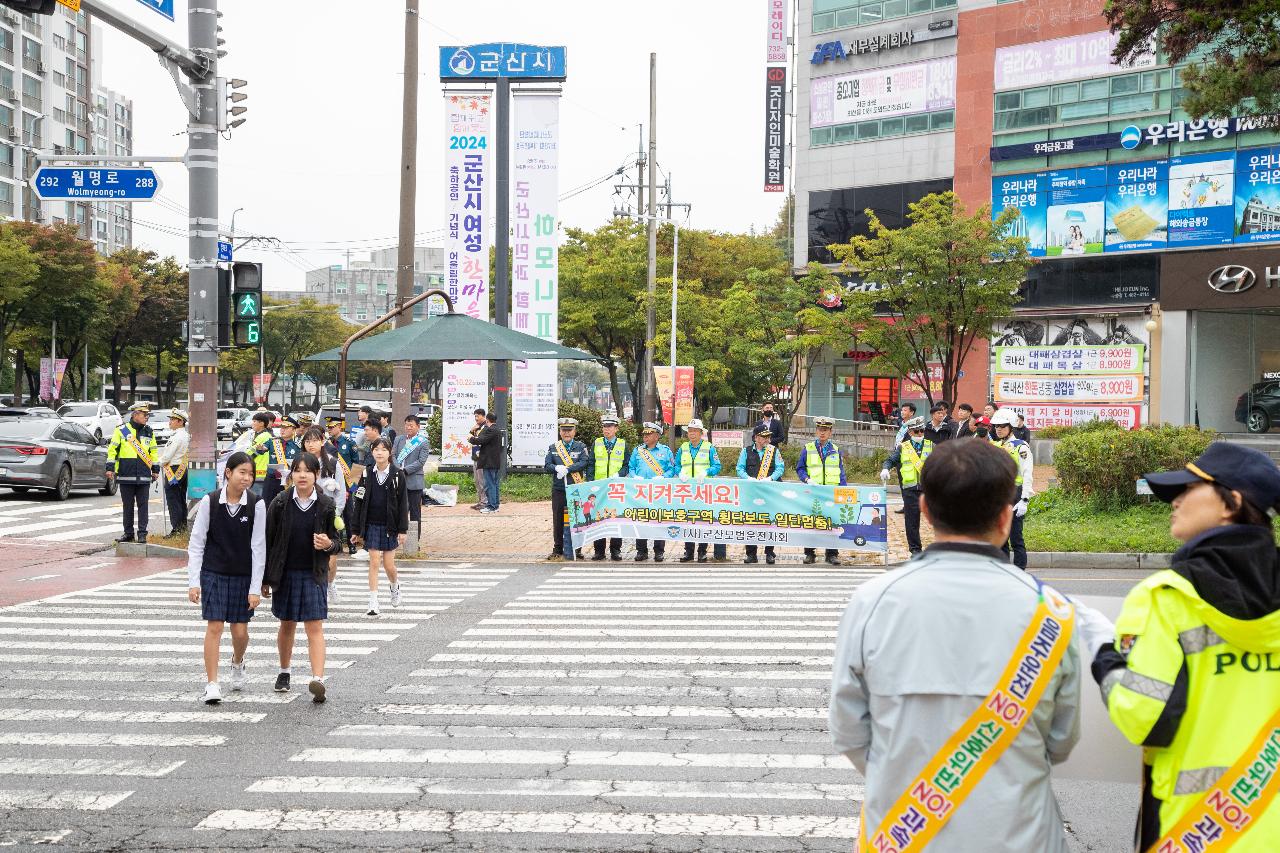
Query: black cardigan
point(397, 502)
point(280, 522)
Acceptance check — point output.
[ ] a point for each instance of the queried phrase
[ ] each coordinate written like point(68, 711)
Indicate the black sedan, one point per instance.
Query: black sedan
point(1259, 408)
point(52, 455)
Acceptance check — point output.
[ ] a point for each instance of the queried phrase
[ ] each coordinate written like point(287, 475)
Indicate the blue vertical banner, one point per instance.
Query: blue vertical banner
point(1075, 218)
point(1257, 215)
point(1025, 193)
point(1201, 199)
point(1137, 206)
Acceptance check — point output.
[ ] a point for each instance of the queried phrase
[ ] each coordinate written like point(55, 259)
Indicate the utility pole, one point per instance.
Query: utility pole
point(501, 249)
point(650, 328)
point(402, 371)
point(640, 163)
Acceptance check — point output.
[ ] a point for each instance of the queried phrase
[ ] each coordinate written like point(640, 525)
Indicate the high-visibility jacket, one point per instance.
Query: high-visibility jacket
point(260, 450)
point(123, 457)
point(703, 462)
point(609, 462)
point(911, 463)
point(821, 470)
point(1196, 688)
point(1020, 452)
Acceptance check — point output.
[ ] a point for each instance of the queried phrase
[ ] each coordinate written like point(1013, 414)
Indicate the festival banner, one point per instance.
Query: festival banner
point(535, 288)
point(465, 386)
point(1039, 417)
point(683, 393)
point(1083, 359)
point(51, 374)
point(1069, 389)
point(730, 511)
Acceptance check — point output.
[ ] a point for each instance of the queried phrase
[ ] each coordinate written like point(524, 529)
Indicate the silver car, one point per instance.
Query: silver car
point(52, 455)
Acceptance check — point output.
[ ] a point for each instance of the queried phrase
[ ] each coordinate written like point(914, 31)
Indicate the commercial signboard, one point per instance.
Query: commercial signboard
point(1041, 416)
point(1082, 359)
point(1068, 389)
point(879, 42)
point(899, 90)
point(779, 30)
point(1233, 279)
point(1135, 137)
point(1062, 59)
point(775, 129)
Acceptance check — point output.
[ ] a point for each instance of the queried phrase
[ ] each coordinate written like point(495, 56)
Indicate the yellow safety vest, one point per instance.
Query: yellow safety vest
point(689, 459)
point(912, 463)
point(609, 462)
point(261, 460)
point(1009, 447)
point(827, 472)
point(1163, 627)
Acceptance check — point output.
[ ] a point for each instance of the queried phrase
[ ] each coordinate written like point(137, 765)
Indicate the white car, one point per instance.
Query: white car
point(232, 421)
point(99, 418)
point(159, 423)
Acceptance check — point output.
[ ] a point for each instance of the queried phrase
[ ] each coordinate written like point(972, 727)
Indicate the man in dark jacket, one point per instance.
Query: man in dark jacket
point(567, 459)
point(489, 458)
point(769, 419)
point(964, 426)
point(938, 429)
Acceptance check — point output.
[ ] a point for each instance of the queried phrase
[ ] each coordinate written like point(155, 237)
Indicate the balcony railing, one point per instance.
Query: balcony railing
point(6, 55)
point(32, 64)
point(30, 25)
point(30, 101)
point(6, 207)
point(6, 170)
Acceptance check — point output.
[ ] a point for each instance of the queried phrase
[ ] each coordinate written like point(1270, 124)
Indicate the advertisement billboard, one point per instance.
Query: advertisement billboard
point(775, 129)
point(919, 87)
point(1062, 59)
point(778, 31)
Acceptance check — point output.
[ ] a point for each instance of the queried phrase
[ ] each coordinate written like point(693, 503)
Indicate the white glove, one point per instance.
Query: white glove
point(562, 471)
point(884, 476)
point(1096, 630)
point(1020, 508)
point(684, 477)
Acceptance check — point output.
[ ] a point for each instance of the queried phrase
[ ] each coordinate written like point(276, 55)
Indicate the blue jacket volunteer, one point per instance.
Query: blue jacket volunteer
point(132, 461)
point(820, 463)
point(651, 461)
point(761, 461)
point(697, 459)
point(567, 459)
point(609, 459)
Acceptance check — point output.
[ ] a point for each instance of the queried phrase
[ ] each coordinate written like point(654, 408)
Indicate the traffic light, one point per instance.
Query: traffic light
point(224, 308)
point(229, 113)
point(246, 303)
point(31, 7)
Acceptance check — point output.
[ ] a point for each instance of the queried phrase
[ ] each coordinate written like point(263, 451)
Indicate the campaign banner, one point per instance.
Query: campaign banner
point(919, 87)
point(51, 374)
point(1061, 59)
point(730, 511)
point(465, 385)
point(778, 32)
point(726, 438)
point(535, 287)
point(1069, 389)
point(683, 394)
point(1039, 417)
point(261, 383)
point(1057, 360)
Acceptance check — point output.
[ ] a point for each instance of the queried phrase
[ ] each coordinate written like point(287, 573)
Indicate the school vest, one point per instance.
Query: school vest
point(609, 462)
point(912, 463)
point(827, 471)
point(690, 459)
point(228, 549)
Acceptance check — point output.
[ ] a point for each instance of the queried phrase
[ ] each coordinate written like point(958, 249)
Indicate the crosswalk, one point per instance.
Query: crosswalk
point(83, 518)
point(601, 708)
point(99, 688)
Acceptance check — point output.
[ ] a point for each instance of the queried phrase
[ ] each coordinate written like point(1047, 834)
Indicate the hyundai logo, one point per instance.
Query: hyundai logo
point(1232, 278)
point(1130, 137)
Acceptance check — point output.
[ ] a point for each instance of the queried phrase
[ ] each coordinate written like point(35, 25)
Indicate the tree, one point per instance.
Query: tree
point(163, 292)
point(18, 269)
point(1237, 41)
point(293, 331)
point(942, 281)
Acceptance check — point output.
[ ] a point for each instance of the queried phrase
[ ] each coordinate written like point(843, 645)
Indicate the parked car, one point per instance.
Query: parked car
point(232, 422)
point(48, 453)
point(28, 411)
point(159, 423)
point(99, 418)
point(1259, 407)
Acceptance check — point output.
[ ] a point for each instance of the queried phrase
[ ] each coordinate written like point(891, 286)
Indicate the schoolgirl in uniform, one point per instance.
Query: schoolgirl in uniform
point(302, 533)
point(380, 518)
point(225, 561)
point(332, 484)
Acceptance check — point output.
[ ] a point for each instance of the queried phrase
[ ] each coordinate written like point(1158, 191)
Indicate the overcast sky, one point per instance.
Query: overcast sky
point(317, 163)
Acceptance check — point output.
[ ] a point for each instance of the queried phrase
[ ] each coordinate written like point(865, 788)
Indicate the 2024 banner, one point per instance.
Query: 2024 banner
point(729, 511)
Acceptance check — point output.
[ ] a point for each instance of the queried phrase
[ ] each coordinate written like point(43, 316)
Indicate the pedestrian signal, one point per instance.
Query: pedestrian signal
point(248, 334)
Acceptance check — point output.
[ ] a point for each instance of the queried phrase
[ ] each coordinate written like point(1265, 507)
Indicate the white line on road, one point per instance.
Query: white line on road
point(675, 609)
point(605, 644)
point(816, 695)
point(95, 660)
point(107, 739)
point(461, 710)
point(500, 758)
point(763, 631)
point(28, 839)
point(41, 715)
point(24, 695)
point(38, 578)
point(628, 674)
point(719, 734)
point(193, 632)
point(42, 525)
point(706, 622)
point(745, 660)
point(83, 801)
point(70, 535)
point(73, 617)
point(194, 651)
point(85, 767)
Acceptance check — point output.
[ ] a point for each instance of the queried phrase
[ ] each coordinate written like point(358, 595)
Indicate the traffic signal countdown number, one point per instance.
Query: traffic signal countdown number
point(248, 334)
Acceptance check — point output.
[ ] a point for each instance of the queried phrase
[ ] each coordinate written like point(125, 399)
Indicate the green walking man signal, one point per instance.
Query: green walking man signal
point(246, 286)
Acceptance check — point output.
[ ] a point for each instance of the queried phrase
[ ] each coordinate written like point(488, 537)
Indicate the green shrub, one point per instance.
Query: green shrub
point(1103, 462)
point(1052, 432)
point(589, 424)
point(435, 429)
point(1057, 521)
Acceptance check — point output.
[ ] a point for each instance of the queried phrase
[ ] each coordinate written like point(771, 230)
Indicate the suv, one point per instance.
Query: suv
point(1259, 408)
point(99, 418)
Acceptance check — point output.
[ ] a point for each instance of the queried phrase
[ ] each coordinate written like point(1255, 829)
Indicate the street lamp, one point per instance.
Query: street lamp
point(675, 299)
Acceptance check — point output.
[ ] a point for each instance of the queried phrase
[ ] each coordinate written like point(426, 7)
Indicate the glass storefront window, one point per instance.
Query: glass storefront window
point(1221, 375)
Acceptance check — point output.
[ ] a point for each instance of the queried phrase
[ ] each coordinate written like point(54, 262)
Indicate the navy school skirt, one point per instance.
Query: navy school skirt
point(299, 598)
point(379, 538)
point(224, 598)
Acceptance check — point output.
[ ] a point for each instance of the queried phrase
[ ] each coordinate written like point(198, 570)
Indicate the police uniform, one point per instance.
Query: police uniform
point(280, 453)
point(1020, 452)
point(609, 459)
point(566, 460)
point(908, 458)
point(173, 467)
point(697, 463)
point(1191, 671)
point(763, 464)
point(820, 463)
point(651, 463)
point(132, 457)
point(347, 457)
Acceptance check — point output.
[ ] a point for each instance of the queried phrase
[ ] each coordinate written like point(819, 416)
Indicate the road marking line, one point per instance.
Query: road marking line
point(706, 622)
point(201, 717)
point(823, 675)
point(444, 710)
point(85, 767)
point(750, 660)
point(169, 660)
point(25, 695)
point(818, 695)
point(38, 578)
point(559, 758)
point(107, 739)
point(71, 535)
point(191, 633)
point(83, 801)
point(763, 631)
point(194, 651)
point(13, 839)
point(603, 644)
point(83, 620)
point(27, 528)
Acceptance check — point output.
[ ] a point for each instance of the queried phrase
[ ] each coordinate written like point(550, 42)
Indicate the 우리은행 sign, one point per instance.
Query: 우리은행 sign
point(717, 510)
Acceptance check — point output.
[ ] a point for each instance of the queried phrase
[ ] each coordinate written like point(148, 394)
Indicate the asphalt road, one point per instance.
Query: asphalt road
point(502, 707)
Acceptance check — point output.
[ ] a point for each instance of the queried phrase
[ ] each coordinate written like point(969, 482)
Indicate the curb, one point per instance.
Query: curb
point(146, 549)
point(1102, 560)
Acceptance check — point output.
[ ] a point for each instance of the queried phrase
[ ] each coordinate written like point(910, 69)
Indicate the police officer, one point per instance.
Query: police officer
point(1191, 669)
point(282, 451)
point(820, 463)
point(651, 461)
point(566, 459)
point(1002, 423)
point(761, 461)
point(259, 449)
point(173, 465)
point(348, 456)
point(696, 460)
point(608, 459)
point(131, 460)
point(908, 457)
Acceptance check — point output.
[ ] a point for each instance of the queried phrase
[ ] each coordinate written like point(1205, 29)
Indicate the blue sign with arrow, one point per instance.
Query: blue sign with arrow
point(164, 7)
point(76, 183)
point(502, 59)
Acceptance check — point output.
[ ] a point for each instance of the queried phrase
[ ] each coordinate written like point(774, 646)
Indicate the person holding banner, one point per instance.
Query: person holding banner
point(173, 464)
point(282, 451)
point(908, 457)
point(651, 461)
point(131, 461)
point(609, 459)
point(1191, 670)
point(957, 678)
point(761, 461)
point(696, 460)
point(567, 459)
point(820, 463)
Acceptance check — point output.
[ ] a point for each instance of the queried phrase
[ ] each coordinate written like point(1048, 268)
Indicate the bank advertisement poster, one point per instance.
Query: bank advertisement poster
point(1177, 202)
point(900, 90)
point(465, 385)
point(1058, 60)
point(729, 511)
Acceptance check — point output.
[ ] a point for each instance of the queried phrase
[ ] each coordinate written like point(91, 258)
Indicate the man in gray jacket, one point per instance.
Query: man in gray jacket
point(410, 453)
point(922, 656)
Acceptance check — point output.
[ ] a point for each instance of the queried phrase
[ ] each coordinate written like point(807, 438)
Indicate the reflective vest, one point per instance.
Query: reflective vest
point(827, 470)
point(1165, 626)
point(689, 459)
point(609, 462)
point(910, 463)
point(123, 457)
point(1010, 446)
point(261, 460)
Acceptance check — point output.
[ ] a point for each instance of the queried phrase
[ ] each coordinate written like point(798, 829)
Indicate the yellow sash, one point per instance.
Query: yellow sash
point(346, 470)
point(566, 459)
point(1234, 803)
point(766, 463)
point(650, 461)
point(278, 446)
point(137, 448)
point(950, 776)
point(174, 476)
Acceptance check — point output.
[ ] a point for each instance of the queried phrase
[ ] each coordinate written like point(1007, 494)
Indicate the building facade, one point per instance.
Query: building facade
point(365, 290)
point(1149, 228)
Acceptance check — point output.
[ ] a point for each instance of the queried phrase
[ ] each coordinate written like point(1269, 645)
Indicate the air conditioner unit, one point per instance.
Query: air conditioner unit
point(40, 67)
point(14, 135)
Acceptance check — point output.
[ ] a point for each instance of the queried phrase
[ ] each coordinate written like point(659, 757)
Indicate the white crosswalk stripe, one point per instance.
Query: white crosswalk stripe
point(136, 646)
point(653, 701)
point(84, 518)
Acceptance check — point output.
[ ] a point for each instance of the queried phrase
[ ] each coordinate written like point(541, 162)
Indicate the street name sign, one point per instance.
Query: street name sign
point(224, 251)
point(73, 183)
point(164, 7)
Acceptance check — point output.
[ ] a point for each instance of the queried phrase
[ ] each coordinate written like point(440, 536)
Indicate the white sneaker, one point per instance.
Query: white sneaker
point(237, 675)
point(487, 510)
point(373, 605)
point(361, 555)
point(395, 595)
point(212, 694)
point(333, 593)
